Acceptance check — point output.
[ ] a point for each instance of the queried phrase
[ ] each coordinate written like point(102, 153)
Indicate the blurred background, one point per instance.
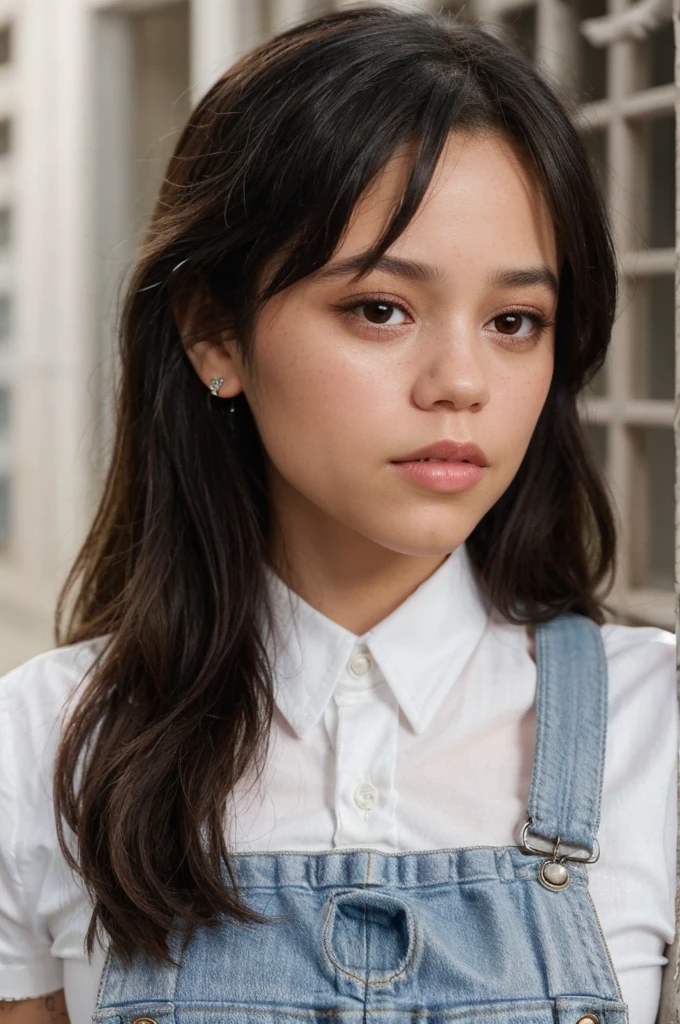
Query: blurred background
point(92, 94)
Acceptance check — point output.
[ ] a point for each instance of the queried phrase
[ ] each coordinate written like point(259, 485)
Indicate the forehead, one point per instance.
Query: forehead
point(483, 203)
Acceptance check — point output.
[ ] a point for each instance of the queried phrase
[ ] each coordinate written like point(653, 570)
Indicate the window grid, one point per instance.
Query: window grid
point(626, 417)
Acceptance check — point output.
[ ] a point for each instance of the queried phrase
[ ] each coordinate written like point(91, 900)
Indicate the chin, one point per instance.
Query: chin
point(418, 546)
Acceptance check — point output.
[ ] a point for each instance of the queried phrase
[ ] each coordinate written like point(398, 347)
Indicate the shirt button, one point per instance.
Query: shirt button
point(364, 796)
point(360, 664)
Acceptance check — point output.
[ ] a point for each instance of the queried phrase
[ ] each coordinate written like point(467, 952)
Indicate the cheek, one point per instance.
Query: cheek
point(311, 412)
point(311, 390)
point(519, 405)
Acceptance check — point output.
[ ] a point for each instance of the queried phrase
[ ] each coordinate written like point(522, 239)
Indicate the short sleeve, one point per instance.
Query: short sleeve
point(633, 884)
point(37, 890)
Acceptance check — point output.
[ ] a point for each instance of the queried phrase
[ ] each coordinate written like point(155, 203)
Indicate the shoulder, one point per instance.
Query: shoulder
point(640, 643)
point(641, 664)
point(634, 882)
point(51, 674)
point(642, 689)
point(643, 724)
point(639, 817)
point(32, 698)
point(43, 910)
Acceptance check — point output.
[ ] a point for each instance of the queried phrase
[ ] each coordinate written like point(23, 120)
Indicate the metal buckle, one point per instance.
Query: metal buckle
point(526, 848)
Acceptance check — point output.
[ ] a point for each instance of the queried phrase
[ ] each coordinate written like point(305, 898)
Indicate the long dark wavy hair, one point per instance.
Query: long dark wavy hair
point(179, 700)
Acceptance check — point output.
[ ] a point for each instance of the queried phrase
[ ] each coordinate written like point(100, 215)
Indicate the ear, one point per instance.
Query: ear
point(211, 351)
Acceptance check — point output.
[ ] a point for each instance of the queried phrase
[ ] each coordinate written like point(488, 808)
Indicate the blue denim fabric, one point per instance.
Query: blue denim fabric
point(459, 935)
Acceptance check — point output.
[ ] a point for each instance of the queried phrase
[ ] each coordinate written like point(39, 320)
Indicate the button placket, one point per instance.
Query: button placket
point(366, 741)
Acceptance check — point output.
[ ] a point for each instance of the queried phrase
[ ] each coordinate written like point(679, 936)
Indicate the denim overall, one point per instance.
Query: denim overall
point(494, 934)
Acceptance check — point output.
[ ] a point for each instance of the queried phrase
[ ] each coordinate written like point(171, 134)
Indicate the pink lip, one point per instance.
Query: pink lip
point(442, 476)
point(449, 451)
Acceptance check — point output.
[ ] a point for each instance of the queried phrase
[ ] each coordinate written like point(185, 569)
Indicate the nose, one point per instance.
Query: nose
point(454, 373)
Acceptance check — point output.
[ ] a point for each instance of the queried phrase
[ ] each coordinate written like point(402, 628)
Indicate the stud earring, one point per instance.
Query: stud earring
point(215, 385)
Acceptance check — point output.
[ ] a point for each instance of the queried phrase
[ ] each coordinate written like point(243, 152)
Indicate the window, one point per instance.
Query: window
point(591, 61)
point(632, 402)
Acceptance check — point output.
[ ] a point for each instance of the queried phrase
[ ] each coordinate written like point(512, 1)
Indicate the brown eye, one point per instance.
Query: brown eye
point(509, 323)
point(382, 311)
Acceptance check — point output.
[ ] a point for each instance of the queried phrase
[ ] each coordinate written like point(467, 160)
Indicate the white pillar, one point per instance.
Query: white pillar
point(215, 41)
point(26, 601)
point(71, 487)
point(54, 291)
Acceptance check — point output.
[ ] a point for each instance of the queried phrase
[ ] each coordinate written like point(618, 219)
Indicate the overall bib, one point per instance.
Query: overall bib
point(495, 934)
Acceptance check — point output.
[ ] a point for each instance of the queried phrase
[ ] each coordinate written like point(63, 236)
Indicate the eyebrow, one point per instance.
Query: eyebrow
point(425, 273)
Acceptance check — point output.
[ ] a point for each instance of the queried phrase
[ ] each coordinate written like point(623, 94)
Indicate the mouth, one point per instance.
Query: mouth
point(447, 451)
point(449, 475)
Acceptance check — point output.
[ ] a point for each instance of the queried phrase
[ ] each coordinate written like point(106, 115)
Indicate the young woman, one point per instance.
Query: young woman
point(336, 729)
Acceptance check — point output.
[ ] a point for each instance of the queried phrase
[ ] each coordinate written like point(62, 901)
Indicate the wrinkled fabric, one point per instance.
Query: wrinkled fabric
point(446, 935)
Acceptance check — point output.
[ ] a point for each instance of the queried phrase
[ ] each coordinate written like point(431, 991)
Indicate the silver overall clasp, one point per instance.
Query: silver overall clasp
point(553, 873)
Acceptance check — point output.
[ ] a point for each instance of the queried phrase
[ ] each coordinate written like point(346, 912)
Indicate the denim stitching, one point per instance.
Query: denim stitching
point(571, 629)
point(613, 1009)
point(104, 977)
point(330, 956)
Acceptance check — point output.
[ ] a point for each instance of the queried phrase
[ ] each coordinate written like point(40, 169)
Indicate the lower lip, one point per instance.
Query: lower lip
point(442, 476)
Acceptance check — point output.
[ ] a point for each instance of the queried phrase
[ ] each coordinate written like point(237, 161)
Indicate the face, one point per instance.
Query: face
point(353, 376)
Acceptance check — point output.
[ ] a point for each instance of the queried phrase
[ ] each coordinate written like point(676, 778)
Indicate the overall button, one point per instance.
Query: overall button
point(555, 876)
point(143, 1020)
point(589, 1018)
point(360, 664)
point(364, 795)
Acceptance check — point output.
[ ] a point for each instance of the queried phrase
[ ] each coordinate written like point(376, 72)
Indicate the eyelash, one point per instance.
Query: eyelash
point(540, 323)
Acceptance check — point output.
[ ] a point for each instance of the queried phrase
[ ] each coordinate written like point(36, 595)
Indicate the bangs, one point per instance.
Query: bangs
point(422, 142)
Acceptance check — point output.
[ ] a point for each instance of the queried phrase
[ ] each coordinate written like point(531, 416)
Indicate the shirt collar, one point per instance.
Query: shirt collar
point(420, 648)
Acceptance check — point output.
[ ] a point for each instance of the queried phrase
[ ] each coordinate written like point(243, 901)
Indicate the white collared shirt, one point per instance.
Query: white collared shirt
point(416, 736)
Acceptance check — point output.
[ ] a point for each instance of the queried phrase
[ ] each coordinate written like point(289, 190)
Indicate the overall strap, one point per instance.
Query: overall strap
point(571, 730)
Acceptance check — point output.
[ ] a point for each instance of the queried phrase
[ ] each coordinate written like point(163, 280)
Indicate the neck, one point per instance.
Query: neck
point(357, 583)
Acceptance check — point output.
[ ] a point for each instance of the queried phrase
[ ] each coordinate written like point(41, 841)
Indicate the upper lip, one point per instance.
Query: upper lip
point(450, 451)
